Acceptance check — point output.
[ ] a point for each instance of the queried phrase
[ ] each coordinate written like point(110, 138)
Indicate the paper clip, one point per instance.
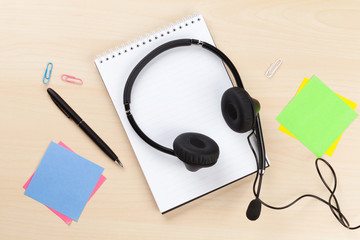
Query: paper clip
point(47, 74)
point(72, 79)
point(272, 69)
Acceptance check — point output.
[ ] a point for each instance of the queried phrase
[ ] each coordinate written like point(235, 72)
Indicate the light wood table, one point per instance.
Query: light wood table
point(311, 37)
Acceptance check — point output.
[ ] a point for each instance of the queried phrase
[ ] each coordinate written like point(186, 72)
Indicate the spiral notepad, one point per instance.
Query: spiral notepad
point(179, 91)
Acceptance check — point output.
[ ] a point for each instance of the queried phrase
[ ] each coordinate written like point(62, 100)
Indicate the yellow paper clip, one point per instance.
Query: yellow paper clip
point(272, 69)
point(71, 79)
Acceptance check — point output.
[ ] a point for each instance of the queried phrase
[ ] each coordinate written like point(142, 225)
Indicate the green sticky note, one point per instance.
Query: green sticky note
point(316, 116)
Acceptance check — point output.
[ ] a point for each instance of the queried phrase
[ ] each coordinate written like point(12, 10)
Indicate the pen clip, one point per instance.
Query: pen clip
point(66, 114)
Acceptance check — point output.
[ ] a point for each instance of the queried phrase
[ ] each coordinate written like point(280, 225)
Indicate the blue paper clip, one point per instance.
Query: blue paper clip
point(47, 74)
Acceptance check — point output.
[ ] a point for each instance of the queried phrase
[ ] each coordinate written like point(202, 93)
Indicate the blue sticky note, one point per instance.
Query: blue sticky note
point(64, 181)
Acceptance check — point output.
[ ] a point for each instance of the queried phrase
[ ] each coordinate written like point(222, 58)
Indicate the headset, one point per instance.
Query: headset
point(241, 113)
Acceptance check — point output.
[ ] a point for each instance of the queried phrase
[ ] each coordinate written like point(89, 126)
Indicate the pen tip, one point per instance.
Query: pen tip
point(118, 162)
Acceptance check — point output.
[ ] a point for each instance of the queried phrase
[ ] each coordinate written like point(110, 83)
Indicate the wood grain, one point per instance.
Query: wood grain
point(311, 37)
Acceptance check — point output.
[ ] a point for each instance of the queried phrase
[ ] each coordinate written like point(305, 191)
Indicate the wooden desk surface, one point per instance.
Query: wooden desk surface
point(312, 37)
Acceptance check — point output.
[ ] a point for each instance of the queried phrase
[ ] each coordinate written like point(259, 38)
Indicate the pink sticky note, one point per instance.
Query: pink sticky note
point(66, 219)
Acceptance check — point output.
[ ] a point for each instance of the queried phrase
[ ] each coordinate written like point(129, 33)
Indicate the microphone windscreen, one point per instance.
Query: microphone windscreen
point(254, 209)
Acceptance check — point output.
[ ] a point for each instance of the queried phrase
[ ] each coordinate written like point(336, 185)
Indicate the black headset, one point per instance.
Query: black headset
point(241, 113)
point(239, 110)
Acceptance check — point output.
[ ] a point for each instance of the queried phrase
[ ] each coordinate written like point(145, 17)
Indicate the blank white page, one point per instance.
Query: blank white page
point(179, 91)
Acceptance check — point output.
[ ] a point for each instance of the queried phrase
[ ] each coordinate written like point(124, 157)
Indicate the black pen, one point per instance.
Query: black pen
point(70, 113)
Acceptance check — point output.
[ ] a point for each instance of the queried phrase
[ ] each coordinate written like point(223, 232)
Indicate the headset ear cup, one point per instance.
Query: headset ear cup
point(196, 149)
point(239, 109)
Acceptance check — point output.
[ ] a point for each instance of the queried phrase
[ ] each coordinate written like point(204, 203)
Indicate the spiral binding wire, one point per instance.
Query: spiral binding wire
point(148, 38)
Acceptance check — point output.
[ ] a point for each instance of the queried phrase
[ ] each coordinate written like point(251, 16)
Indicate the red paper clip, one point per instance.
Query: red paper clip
point(72, 79)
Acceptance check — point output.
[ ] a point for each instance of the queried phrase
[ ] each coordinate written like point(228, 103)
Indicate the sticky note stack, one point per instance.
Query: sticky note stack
point(64, 182)
point(317, 116)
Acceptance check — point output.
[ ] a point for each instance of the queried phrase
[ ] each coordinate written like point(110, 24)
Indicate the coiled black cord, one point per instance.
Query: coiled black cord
point(334, 207)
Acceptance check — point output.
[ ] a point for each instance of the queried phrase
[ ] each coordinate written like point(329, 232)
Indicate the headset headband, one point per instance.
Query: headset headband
point(173, 44)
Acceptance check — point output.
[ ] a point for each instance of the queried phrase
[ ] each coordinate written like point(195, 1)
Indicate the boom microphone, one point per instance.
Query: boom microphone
point(254, 209)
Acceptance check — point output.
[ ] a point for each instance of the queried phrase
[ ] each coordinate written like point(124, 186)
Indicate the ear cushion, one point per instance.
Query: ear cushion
point(238, 109)
point(196, 149)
